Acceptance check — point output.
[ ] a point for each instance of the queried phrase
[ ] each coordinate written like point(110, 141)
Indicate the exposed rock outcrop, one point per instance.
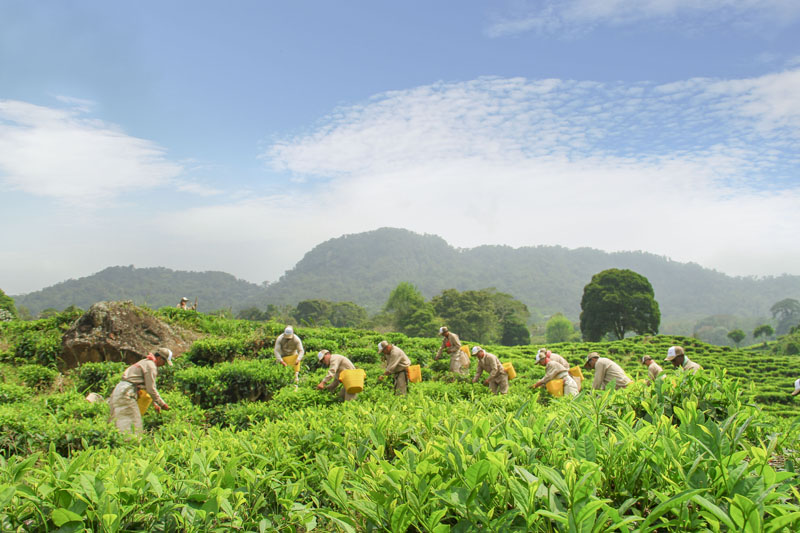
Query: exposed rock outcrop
point(120, 331)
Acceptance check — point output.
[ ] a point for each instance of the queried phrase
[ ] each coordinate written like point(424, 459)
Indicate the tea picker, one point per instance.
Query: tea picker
point(289, 350)
point(396, 365)
point(606, 371)
point(452, 345)
point(498, 377)
point(133, 395)
point(341, 369)
point(555, 371)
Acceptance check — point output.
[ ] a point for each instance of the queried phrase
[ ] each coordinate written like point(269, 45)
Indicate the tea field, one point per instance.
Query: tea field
point(243, 449)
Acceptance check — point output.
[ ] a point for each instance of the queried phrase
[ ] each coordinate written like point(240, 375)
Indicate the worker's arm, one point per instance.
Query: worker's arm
point(300, 350)
point(599, 376)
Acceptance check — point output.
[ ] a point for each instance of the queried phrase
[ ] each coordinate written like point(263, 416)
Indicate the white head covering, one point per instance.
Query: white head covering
point(289, 331)
point(321, 354)
point(673, 352)
point(442, 330)
point(476, 349)
point(797, 385)
point(382, 345)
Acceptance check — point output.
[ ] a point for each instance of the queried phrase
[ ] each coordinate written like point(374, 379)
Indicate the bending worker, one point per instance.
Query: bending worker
point(141, 376)
point(606, 371)
point(397, 363)
point(653, 368)
point(335, 363)
point(498, 377)
point(553, 356)
point(555, 370)
point(678, 358)
point(452, 345)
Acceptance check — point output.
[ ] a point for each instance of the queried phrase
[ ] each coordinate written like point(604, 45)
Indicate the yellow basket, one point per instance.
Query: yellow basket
point(555, 387)
point(414, 374)
point(353, 380)
point(144, 400)
point(575, 372)
point(509, 368)
point(291, 360)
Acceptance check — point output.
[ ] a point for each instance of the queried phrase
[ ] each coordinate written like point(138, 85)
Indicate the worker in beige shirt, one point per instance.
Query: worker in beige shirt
point(653, 368)
point(498, 377)
point(452, 345)
point(124, 409)
point(678, 358)
point(606, 371)
point(555, 370)
point(335, 363)
point(396, 365)
point(553, 356)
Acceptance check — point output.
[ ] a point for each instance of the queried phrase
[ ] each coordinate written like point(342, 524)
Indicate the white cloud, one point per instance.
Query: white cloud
point(702, 170)
point(551, 16)
point(58, 153)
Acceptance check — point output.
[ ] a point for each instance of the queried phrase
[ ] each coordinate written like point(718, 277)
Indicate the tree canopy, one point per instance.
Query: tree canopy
point(8, 310)
point(412, 315)
point(737, 336)
point(787, 313)
point(485, 316)
point(559, 329)
point(617, 301)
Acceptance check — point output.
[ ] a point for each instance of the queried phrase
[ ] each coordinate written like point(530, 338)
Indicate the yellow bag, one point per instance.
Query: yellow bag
point(353, 380)
point(144, 400)
point(414, 374)
point(577, 375)
point(291, 360)
point(465, 360)
point(509, 368)
point(555, 387)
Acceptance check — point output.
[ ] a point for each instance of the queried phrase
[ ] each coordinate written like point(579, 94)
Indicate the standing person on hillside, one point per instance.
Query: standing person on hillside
point(397, 363)
point(653, 368)
point(498, 377)
point(124, 409)
point(606, 371)
point(555, 370)
point(452, 345)
point(286, 345)
point(184, 304)
point(335, 363)
point(796, 388)
point(678, 358)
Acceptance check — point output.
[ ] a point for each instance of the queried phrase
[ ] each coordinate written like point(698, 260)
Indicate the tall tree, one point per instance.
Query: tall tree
point(764, 329)
point(8, 310)
point(412, 314)
point(558, 329)
point(485, 316)
point(737, 336)
point(787, 313)
point(617, 301)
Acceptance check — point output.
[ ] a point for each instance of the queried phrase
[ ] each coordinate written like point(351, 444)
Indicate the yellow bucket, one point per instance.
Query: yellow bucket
point(414, 374)
point(144, 400)
point(555, 387)
point(353, 380)
point(575, 372)
point(291, 360)
point(509, 368)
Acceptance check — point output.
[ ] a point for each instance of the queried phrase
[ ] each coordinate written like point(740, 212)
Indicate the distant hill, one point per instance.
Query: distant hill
point(153, 287)
point(365, 267)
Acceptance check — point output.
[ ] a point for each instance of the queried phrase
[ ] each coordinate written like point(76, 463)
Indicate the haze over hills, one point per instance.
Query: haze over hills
point(365, 267)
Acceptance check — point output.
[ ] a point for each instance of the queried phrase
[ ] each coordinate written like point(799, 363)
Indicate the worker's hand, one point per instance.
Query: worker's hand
point(381, 377)
point(486, 382)
point(157, 408)
point(320, 386)
point(165, 407)
point(281, 361)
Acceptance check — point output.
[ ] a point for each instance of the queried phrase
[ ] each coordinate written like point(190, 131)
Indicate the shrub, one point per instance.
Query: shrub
point(233, 382)
point(37, 376)
point(213, 350)
point(42, 347)
point(99, 377)
point(10, 393)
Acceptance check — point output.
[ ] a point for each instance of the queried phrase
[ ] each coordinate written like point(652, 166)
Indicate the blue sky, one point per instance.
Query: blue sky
point(237, 136)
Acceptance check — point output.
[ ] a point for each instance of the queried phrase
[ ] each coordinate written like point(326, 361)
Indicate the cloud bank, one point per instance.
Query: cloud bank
point(558, 16)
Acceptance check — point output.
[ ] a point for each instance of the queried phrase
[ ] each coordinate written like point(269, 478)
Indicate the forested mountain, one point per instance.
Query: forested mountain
point(365, 267)
point(153, 287)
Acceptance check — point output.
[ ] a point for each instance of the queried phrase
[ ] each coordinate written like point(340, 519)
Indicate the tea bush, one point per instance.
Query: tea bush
point(98, 377)
point(37, 376)
point(11, 393)
point(233, 382)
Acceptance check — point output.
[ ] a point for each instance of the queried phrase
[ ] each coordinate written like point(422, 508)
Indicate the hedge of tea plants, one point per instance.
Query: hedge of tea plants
point(245, 449)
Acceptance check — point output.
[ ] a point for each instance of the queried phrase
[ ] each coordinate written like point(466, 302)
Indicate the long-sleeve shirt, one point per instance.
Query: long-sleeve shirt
point(605, 371)
point(143, 374)
point(654, 370)
point(491, 364)
point(553, 370)
point(337, 364)
point(288, 346)
point(690, 366)
point(396, 361)
point(450, 344)
point(559, 359)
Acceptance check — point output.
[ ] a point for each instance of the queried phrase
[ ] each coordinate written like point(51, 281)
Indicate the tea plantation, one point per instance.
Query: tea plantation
point(243, 449)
